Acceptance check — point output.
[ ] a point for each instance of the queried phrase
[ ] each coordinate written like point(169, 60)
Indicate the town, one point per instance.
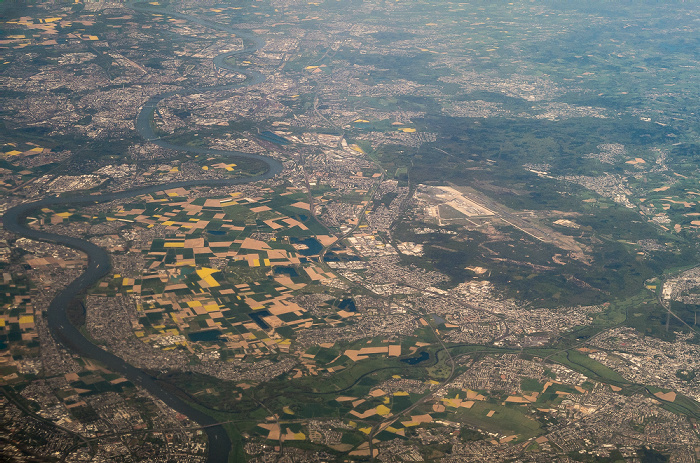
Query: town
point(396, 231)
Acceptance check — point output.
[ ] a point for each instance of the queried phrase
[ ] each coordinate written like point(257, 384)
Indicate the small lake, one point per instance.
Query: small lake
point(313, 245)
point(348, 304)
point(416, 360)
point(273, 137)
point(205, 336)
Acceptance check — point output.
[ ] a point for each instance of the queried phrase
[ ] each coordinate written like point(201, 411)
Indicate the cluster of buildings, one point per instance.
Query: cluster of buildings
point(671, 366)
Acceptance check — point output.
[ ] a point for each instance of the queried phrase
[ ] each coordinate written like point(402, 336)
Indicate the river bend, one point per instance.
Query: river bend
point(63, 331)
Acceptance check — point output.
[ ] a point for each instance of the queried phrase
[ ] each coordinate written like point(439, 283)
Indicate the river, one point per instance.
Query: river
point(98, 259)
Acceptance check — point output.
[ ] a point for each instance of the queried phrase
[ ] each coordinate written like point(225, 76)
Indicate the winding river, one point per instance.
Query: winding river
point(98, 259)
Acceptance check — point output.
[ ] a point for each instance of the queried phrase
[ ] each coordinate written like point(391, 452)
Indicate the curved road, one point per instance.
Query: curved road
point(98, 259)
